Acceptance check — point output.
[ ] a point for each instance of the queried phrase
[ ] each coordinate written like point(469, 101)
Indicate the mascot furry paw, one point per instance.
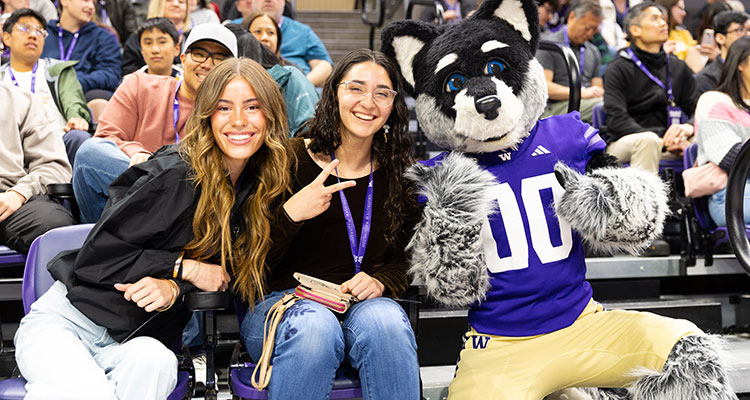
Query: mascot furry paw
point(506, 212)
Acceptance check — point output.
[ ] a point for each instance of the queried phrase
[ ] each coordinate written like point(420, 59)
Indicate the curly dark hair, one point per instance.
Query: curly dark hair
point(394, 157)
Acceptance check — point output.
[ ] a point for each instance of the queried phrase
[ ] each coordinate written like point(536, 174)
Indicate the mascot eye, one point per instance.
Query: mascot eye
point(494, 68)
point(455, 83)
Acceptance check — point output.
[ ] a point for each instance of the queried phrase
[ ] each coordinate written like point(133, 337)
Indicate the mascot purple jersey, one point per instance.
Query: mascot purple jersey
point(537, 280)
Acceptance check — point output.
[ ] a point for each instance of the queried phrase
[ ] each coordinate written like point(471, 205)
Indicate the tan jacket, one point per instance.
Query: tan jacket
point(32, 153)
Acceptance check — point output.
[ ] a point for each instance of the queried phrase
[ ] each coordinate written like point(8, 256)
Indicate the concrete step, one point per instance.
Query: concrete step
point(436, 379)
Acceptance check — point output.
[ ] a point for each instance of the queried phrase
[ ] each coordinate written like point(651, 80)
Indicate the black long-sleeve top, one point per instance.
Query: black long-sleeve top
point(144, 227)
point(320, 246)
point(634, 103)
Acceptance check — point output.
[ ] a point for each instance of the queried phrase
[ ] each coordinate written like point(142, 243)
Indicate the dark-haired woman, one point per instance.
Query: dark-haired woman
point(355, 154)
point(185, 219)
point(722, 119)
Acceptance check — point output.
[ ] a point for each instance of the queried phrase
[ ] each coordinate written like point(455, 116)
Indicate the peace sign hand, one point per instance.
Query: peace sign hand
point(314, 198)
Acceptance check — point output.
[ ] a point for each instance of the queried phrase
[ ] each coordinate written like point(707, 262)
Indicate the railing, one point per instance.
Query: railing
point(735, 207)
point(574, 76)
point(373, 25)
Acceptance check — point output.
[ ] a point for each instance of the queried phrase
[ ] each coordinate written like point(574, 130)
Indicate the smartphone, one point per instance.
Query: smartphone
point(315, 283)
point(708, 37)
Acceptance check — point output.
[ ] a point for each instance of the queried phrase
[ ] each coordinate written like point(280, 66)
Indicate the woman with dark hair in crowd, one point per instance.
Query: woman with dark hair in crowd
point(189, 218)
point(680, 41)
point(722, 123)
point(359, 137)
point(268, 32)
point(299, 94)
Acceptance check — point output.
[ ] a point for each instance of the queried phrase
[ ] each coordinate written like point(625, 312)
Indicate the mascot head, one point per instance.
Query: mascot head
point(477, 85)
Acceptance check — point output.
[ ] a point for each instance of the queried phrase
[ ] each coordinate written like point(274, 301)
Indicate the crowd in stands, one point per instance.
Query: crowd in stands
point(91, 94)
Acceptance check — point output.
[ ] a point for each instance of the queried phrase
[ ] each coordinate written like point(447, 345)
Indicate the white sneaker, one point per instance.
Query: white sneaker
point(199, 363)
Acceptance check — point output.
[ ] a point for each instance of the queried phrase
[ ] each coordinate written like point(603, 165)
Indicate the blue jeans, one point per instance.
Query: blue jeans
point(98, 163)
point(717, 206)
point(374, 336)
point(73, 141)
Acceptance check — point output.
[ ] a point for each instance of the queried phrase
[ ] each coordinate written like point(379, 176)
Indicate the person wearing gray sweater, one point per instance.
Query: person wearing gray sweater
point(32, 156)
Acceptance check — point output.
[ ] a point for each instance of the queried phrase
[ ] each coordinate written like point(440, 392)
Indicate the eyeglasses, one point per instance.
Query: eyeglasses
point(740, 31)
point(28, 30)
point(200, 56)
point(381, 96)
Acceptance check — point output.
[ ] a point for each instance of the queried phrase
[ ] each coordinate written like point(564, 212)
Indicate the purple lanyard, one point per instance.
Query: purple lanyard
point(583, 47)
point(176, 112)
point(66, 56)
point(358, 252)
point(105, 16)
point(668, 88)
point(33, 76)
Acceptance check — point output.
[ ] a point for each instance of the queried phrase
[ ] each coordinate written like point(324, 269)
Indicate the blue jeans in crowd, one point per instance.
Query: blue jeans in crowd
point(98, 163)
point(374, 337)
point(73, 139)
point(717, 206)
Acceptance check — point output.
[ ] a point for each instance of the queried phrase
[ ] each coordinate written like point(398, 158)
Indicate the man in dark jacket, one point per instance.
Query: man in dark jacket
point(118, 14)
point(728, 27)
point(646, 93)
point(76, 37)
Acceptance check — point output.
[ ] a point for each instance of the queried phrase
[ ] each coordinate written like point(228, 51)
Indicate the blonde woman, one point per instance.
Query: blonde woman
point(193, 217)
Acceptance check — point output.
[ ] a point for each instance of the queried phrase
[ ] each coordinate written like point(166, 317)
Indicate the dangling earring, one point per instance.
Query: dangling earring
point(386, 129)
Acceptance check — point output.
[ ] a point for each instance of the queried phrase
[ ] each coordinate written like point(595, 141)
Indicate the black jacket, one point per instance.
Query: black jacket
point(144, 227)
point(708, 78)
point(634, 103)
point(121, 15)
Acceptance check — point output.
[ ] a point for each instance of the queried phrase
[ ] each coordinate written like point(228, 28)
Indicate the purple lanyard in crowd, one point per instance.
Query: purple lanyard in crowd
point(583, 48)
point(66, 56)
point(33, 76)
point(358, 252)
point(176, 112)
point(639, 64)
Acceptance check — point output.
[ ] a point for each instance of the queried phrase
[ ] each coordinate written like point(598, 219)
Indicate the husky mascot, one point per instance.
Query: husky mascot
point(506, 212)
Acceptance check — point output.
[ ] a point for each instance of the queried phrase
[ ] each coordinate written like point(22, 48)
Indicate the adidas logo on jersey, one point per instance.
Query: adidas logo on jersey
point(540, 151)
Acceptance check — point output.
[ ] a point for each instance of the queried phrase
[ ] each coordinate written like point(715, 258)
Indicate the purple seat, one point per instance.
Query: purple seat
point(10, 257)
point(36, 281)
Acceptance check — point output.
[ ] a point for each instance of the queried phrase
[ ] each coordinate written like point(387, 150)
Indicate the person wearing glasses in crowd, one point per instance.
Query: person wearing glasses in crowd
point(348, 223)
point(54, 82)
point(146, 113)
point(728, 27)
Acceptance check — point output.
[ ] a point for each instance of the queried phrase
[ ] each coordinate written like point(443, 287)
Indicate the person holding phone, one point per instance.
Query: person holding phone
point(348, 223)
point(193, 217)
point(728, 26)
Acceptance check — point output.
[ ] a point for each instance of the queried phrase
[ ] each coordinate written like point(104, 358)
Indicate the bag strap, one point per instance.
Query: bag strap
point(262, 368)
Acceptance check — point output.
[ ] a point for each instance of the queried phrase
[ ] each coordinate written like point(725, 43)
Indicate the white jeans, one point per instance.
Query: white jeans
point(64, 355)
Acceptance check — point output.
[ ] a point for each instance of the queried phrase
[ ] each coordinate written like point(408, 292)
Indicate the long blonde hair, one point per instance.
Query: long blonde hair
point(269, 165)
point(156, 9)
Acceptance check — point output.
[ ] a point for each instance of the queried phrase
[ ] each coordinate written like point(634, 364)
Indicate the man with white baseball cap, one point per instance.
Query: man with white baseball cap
point(145, 113)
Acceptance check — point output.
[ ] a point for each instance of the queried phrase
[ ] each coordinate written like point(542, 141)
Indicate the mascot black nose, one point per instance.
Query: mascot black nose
point(488, 106)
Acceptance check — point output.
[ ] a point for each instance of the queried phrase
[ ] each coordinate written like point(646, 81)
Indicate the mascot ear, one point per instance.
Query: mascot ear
point(522, 15)
point(402, 40)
